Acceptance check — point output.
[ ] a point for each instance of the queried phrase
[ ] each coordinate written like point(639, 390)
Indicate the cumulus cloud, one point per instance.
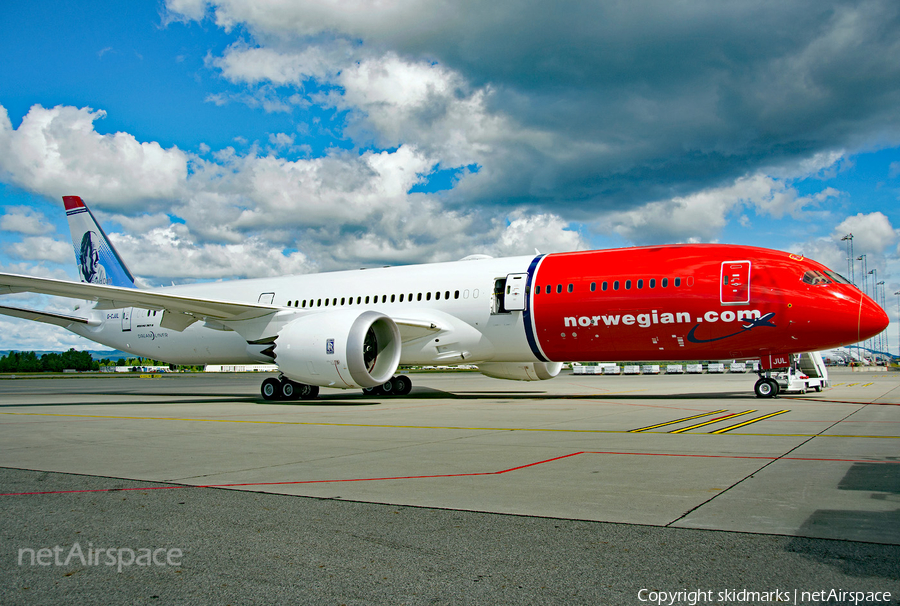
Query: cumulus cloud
point(610, 104)
point(252, 214)
point(172, 253)
point(873, 236)
point(702, 216)
point(872, 233)
point(42, 248)
point(25, 220)
point(56, 151)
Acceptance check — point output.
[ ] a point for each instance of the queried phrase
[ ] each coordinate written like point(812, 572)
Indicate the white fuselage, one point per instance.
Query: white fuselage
point(457, 297)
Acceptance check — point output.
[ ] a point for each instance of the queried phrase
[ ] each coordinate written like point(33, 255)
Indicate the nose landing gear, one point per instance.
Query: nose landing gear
point(766, 387)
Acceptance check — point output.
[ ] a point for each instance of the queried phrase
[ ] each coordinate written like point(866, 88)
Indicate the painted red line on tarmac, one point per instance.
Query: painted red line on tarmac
point(451, 475)
point(447, 475)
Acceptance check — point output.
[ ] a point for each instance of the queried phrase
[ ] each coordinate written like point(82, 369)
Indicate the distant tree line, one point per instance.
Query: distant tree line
point(28, 361)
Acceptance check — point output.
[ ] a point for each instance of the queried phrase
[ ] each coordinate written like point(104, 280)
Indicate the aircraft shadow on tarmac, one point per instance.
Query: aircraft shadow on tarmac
point(138, 397)
point(882, 481)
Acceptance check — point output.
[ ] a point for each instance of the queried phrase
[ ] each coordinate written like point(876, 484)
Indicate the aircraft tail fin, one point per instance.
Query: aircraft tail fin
point(98, 261)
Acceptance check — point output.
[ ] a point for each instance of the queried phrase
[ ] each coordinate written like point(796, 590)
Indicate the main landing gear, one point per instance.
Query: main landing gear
point(766, 386)
point(396, 386)
point(285, 389)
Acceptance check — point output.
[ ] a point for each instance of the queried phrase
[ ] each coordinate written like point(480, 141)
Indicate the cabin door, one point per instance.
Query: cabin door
point(734, 284)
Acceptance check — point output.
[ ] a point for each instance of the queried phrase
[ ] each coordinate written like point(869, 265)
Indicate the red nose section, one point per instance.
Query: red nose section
point(872, 319)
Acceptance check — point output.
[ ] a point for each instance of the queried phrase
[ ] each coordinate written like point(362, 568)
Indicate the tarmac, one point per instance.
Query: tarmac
point(578, 490)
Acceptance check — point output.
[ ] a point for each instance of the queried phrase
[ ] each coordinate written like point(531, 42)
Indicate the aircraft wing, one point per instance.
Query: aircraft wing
point(42, 316)
point(180, 311)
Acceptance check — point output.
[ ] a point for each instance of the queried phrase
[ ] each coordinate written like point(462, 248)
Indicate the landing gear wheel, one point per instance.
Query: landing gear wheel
point(271, 389)
point(288, 390)
point(373, 391)
point(307, 392)
point(402, 385)
point(766, 388)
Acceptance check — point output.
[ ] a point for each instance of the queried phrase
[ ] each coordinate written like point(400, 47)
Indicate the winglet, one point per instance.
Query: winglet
point(98, 261)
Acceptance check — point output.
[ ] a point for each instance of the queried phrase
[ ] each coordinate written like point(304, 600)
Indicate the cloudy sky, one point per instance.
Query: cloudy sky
point(239, 138)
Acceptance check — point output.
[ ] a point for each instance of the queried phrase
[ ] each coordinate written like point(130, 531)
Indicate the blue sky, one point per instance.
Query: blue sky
point(224, 139)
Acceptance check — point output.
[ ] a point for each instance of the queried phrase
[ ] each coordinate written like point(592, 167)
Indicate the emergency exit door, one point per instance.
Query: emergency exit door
point(734, 285)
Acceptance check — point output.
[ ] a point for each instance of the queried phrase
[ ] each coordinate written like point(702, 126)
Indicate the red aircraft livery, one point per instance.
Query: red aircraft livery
point(692, 302)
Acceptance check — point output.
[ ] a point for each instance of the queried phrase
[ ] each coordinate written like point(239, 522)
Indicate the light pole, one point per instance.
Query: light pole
point(885, 346)
point(873, 342)
point(898, 315)
point(865, 289)
point(849, 240)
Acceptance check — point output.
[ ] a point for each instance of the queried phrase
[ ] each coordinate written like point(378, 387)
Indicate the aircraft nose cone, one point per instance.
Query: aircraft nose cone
point(872, 319)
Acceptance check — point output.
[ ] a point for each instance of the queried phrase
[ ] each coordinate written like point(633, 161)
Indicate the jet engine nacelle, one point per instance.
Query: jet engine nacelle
point(343, 349)
point(521, 371)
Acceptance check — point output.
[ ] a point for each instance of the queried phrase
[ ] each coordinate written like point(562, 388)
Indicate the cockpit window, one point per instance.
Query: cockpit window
point(816, 278)
point(837, 277)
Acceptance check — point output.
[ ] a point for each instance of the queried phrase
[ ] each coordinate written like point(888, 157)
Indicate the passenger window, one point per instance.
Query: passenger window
point(367, 299)
point(652, 282)
point(604, 286)
point(419, 297)
point(627, 284)
point(428, 296)
point(342, 300)
point(665, 282)
point(593, 286)
point(456, 294)
point(446, 294)
point(558, 288)
point(616, 285)
point(401, 297)
point(570, 288)
point(640, 284)
point(437, 296)
point(677, 281)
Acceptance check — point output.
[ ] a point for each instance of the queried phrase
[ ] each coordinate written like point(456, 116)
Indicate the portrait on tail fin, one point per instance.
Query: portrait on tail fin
point(98, 261)
point(89, 267)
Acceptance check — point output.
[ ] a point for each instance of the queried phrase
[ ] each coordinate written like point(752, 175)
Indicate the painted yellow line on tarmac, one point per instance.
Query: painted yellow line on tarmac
point(756, 420)
point(386, 426)
point(317, 423)
point(710, 422)
point(705, 414)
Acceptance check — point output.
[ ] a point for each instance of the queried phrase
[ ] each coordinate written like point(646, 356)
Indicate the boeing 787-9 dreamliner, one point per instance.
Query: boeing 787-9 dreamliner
point(515, 318)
